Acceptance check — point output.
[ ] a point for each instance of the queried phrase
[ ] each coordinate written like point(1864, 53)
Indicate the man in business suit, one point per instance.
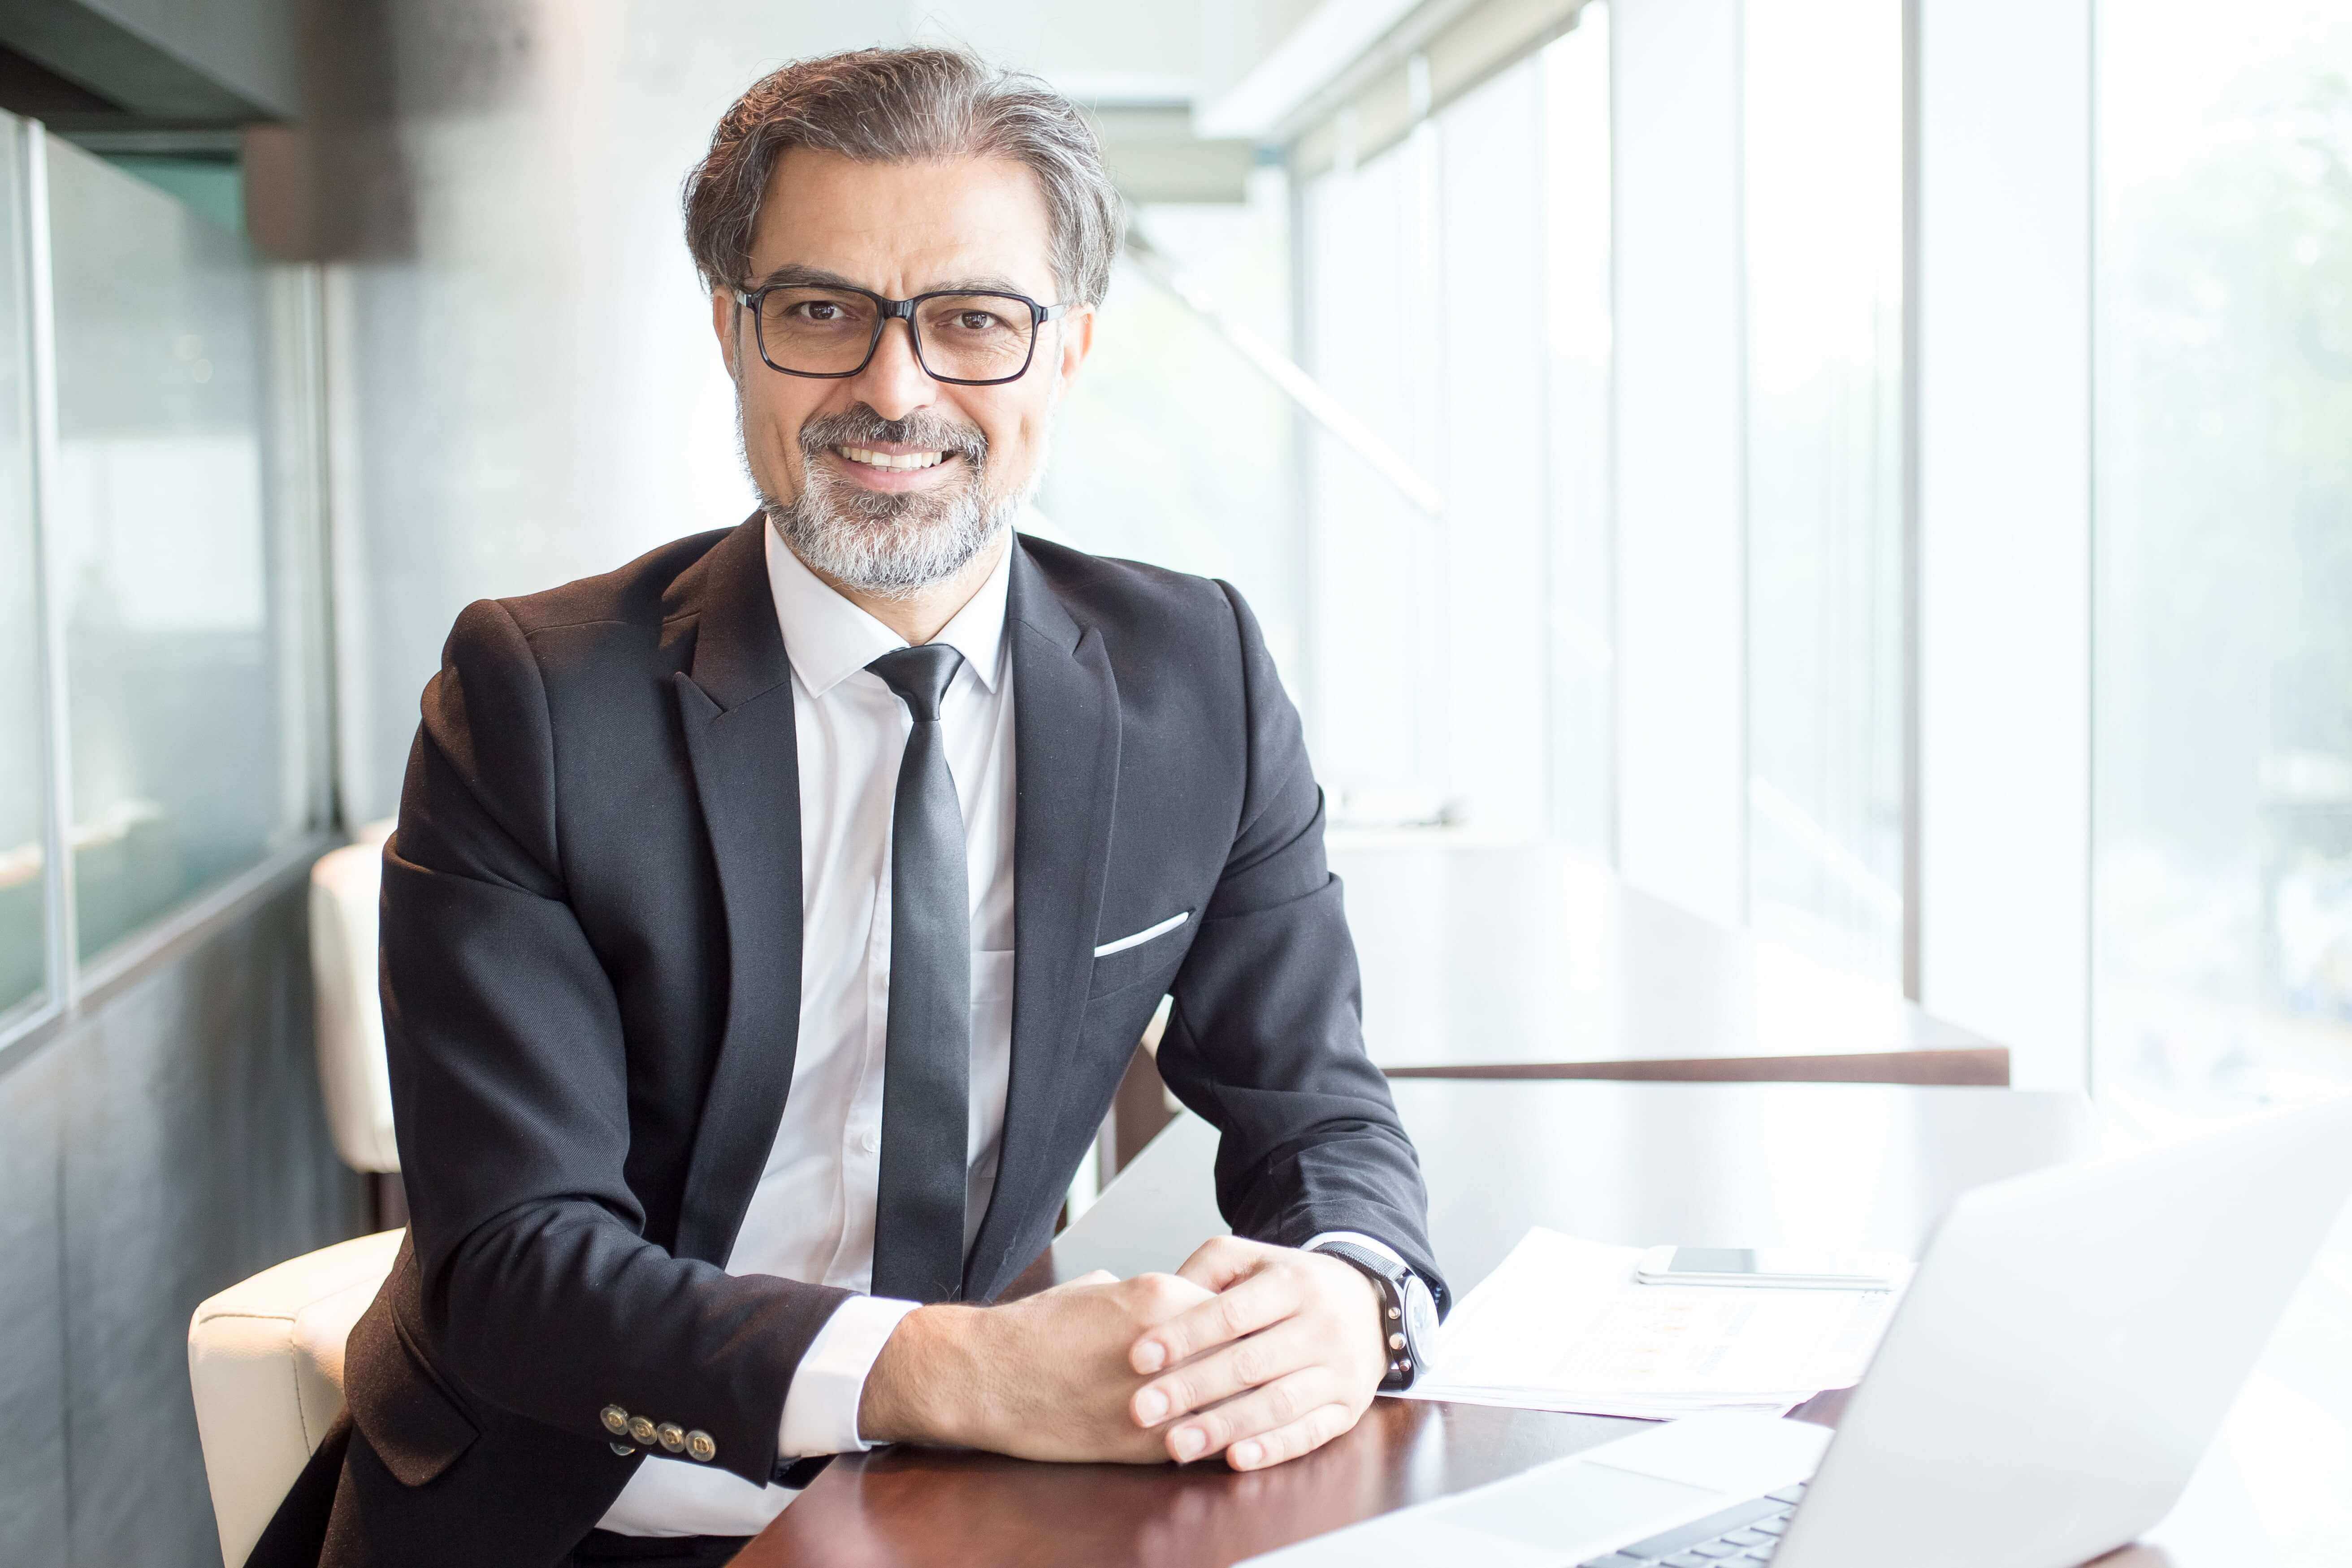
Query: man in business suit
point(770, 920)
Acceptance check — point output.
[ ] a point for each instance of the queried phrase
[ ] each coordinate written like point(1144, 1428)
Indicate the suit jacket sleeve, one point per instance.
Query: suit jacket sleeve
point(1265, 1038)
point(540, 1293)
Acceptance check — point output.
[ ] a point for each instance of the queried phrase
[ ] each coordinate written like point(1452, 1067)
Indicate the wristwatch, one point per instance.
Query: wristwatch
point(1408, 1311)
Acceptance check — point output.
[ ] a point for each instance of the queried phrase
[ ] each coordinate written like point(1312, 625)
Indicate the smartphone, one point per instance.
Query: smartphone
point(1792, 1267)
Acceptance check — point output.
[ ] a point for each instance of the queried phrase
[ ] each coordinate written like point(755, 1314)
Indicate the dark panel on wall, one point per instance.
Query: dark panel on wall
point(30, 88)
point(188, 1150)
point(218, 62)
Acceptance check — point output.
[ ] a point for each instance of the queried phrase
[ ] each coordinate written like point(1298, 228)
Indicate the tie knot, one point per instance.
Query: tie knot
point(919, 676)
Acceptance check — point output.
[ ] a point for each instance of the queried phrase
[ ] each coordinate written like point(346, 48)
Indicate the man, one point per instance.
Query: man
point(770, 920)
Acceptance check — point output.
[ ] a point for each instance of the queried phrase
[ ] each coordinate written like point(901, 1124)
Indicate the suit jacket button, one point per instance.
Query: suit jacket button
point(616, 1419)
point(641, 1431)
point(700, 1449)
point(672, 1436)
point(621, 1448)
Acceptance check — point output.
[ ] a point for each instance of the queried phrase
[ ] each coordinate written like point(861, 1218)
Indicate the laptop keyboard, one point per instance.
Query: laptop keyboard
point(1750, 1532)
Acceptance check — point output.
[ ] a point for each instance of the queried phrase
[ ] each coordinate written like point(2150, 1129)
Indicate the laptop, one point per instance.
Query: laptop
point(2065, 1353)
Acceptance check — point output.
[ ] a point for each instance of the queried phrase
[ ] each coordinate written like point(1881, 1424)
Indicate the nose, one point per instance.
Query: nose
point(893, 382)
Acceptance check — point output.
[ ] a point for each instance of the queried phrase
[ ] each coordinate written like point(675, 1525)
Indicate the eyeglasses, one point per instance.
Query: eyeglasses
point(967, 339)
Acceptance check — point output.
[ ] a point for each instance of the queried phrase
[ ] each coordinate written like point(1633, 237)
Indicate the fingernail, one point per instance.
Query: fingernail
point(1248, 1454)
point(1152, 1408)
point(1149, 1357)
point(1190, 1442)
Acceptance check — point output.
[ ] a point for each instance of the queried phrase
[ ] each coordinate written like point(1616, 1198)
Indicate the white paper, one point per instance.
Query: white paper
point(1563, 1325)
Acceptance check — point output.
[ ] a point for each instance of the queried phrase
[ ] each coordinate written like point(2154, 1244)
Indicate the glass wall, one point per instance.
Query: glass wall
point(1371, 333)
point(168, 559)
point(23, 750)
point(1172, 448)
point(2222, 694)
point(1456, 302)
point(163, 551)
point(1580, 503)
point(1824, 214)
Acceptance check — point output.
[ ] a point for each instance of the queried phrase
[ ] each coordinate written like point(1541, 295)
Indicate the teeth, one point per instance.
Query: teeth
point(872, 458)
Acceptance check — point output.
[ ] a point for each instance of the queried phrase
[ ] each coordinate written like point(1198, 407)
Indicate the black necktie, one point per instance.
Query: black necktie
point(926, 1058)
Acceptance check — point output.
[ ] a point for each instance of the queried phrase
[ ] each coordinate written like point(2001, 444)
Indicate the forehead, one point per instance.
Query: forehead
point(900, 228)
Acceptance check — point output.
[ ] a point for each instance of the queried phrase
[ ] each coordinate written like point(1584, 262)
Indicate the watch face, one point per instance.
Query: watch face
point(1420, 1317)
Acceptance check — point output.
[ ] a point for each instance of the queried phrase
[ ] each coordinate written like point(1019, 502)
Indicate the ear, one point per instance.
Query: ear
point(1077, 340)
point(723, 320)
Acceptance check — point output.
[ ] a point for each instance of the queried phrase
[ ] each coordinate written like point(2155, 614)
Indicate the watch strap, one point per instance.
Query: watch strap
point(1390, 1276)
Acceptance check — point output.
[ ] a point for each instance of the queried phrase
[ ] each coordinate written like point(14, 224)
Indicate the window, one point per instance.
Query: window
point(1456, 299)
point(1171, 447)
point(1823, 209)
point(24, 741)
point(1373, 335)
point(2222, 811)
point(188, 752)
point(161, 593)
point(1577, 335)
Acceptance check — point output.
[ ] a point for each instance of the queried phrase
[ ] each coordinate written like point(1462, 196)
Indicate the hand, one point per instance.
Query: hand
point(1046, 1377)
point(1283, 1359)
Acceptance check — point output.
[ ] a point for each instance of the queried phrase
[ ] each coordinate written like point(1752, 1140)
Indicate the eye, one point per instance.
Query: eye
point(818, 311)
point(975, 320)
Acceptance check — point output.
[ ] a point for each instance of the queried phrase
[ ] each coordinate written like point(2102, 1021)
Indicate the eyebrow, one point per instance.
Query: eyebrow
point(795, 276)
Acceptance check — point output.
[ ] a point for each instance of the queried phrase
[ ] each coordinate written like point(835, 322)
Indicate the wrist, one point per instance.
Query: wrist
point(915, 1393)
point(1407, 1314)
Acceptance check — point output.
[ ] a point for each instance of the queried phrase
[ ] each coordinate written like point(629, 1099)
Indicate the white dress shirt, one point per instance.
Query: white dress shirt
point(812, 1215)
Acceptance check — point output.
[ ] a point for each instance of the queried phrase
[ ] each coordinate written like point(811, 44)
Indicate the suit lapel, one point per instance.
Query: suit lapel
point(1066, 776)
point(735, 706)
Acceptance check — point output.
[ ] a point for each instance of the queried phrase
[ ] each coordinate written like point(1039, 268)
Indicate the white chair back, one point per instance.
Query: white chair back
point(266, 1364)
point(353, 1076)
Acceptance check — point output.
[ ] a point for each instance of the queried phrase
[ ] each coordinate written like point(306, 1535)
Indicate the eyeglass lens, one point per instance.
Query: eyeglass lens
point(962, 337)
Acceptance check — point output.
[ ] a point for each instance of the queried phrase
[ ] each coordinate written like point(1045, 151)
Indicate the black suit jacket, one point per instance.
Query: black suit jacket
point(591, 978)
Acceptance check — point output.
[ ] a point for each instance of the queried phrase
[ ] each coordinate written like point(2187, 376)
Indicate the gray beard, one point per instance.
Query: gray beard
point(891, 546)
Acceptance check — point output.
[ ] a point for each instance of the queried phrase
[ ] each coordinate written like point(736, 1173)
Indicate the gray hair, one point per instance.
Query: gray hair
point(899, 105)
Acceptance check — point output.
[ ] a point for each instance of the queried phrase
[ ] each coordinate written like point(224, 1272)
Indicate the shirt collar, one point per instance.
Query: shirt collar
point(829, 639)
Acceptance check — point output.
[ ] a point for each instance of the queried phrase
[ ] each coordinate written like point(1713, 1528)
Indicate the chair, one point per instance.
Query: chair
point(265, 1365)
point(352, 1077)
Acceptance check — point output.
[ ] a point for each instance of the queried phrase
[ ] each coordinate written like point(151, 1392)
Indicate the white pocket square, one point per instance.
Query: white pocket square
point(1146, 935)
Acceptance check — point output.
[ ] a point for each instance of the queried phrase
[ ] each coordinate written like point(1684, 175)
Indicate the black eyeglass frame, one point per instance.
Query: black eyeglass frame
point(886, 311)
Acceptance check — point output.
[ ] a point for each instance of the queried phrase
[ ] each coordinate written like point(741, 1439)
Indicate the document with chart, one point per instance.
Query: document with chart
point(1563, 1324)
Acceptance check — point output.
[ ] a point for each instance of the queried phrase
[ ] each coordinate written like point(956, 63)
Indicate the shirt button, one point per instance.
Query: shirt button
point(870, 1140)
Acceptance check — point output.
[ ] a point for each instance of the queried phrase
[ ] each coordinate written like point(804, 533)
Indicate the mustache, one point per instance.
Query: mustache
point(922, 428)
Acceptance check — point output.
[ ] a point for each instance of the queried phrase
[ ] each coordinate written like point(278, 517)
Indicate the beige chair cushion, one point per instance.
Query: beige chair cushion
point(344, 884)
point(266, 1362)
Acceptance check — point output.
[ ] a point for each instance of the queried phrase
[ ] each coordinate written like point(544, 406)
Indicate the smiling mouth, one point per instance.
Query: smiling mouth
point(894, 462)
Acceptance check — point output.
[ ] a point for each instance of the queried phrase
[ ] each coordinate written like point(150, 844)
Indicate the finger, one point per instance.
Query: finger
point(1251, 1417)
point(1304, 1436)
point(1220, 1261)
point(1257, 1301)
point(1255, 1359)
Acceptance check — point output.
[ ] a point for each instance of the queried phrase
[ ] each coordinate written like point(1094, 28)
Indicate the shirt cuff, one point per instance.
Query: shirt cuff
point(1359, 1239)
point(820, 1405)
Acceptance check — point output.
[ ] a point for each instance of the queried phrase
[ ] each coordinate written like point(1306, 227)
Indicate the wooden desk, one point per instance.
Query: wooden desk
point(1833, 1165)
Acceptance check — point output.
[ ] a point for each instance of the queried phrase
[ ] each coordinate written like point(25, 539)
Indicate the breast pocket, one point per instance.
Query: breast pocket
point(1125, 961)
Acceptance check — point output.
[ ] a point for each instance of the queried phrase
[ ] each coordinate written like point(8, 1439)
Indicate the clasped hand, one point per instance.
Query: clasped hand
point(1257, 1352)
